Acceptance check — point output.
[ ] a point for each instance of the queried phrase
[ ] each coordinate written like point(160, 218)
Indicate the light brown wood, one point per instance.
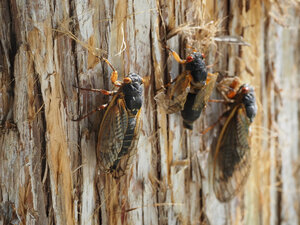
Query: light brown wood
point(48, 168)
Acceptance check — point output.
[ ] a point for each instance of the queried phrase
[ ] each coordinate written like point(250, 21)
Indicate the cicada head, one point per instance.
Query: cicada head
point(195, 63)
point(229, 87)
point(248, 99)
point(133, 92)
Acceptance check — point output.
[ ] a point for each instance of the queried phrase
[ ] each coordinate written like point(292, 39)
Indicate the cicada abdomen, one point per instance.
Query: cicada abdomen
point(189, 92)
point(196, 101)
point(232, 158)
point(120, 126)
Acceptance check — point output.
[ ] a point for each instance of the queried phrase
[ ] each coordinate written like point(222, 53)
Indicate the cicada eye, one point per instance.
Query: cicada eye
point(203, 55)
point(245, 89)
point(189, 59)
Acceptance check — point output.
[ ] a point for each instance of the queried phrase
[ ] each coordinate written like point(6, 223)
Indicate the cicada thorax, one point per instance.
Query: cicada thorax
point(232, 159)
point(190, 91)
point(200, 90)
point(193, 76)
point(119, 130)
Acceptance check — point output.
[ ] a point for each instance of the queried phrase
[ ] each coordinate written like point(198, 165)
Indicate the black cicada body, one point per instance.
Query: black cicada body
point(189, 92)
point(232, 159)
point(119, 129)
point(196, 101)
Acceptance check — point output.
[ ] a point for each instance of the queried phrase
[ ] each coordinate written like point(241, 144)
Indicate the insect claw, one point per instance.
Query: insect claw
point(171, 50)
point(103, 106)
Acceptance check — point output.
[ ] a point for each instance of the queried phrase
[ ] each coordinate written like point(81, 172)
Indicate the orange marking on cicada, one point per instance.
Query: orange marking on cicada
point(114, 73)
point(235, 83)
point(114, 79)
point(231, 94)
point(176, 56)
point(127, 80)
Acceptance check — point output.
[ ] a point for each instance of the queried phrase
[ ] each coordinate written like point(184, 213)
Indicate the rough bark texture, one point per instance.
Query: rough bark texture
point(48, 163)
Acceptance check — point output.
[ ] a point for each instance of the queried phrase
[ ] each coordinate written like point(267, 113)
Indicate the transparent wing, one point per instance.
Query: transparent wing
point(173, 101)
point(111, 133)
point(232, 159)
point(205, 92)
point(125, 160)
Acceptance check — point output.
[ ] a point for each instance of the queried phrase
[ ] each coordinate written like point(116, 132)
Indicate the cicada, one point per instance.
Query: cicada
point(120, 126)
point(190, 91)
point(231, 157)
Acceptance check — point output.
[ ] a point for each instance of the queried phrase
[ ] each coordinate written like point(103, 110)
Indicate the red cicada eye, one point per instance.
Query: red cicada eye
point(245, 90)
point(189, 59)
point(203, 55)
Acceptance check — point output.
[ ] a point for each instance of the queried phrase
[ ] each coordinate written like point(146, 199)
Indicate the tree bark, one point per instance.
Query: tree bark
point(48, 163)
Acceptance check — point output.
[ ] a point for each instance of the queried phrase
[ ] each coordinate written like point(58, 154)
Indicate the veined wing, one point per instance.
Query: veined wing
point(232, 158)
point(174, 100)
point(111, 133)
point(205, 92)
point(125, 160)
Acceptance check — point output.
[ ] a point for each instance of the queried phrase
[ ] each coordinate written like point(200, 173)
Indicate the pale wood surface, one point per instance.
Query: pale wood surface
point(48, 163)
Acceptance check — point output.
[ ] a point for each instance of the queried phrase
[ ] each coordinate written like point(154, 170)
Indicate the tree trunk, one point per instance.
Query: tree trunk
point(48, 162)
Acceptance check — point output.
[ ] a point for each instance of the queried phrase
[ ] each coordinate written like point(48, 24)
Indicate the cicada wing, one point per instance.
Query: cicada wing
point(232, 159)
point(173, 101)
point(111, 133)
point(126, 160)
point(205, 92)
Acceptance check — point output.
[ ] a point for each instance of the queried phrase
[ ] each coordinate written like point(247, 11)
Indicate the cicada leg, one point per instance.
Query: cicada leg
point(215, 123)
point(176, 56)
point(102, 91)
point(217, 100)
point(191, 47)
point(228, 87)
point(105, 92)
point(114, 73)
point(91, 112)
point(168, 84)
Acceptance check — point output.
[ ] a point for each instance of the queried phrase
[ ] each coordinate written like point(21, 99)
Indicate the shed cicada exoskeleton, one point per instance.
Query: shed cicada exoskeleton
point(231, 156)
point(188, 92)
point(120, 126)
